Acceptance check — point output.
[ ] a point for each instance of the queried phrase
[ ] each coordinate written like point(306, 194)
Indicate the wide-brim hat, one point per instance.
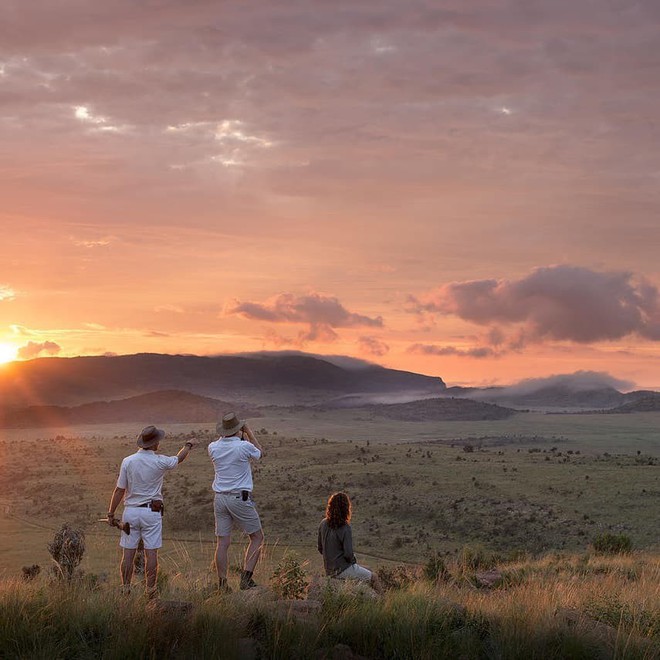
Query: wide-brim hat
point(229, 425)
point(150, 436)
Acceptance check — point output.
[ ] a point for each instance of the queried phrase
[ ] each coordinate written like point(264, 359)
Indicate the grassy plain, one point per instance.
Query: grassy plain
point(528, 493)
point(532, 483)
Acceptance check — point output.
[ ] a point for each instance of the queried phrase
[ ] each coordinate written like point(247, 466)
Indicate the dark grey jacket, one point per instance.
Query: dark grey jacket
point(336, 546)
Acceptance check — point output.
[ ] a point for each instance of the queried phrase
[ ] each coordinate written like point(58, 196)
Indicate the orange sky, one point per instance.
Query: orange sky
point(468, 190)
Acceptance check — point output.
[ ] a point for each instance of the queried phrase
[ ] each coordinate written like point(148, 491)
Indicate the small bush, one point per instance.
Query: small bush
point(67, 549)
point(289, 580)
point(475, 557)
point(435, 569)
point(612, 544)
point(30, 572)
point(398, 577)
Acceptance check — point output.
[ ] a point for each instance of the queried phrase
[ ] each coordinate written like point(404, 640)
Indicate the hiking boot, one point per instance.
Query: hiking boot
point(246, 581)
point(223, 586)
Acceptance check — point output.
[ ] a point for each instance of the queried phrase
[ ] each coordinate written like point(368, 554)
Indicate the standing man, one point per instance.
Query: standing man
point(141, 481)
point(233, 503)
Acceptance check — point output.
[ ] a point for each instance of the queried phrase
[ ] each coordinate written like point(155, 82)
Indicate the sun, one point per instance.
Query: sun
point(8, 353)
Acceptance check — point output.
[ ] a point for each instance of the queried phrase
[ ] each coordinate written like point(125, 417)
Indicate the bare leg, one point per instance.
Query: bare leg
point(253, 551)
point(151, 570)
point(221, 553)
point(126, 567)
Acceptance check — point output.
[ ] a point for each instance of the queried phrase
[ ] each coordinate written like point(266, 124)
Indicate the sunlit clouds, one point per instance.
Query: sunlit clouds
point(466, 189)
point(6, 292)
point(35, 349)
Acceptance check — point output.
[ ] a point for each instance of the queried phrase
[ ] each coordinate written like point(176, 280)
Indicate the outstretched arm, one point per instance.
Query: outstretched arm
point(185, 450)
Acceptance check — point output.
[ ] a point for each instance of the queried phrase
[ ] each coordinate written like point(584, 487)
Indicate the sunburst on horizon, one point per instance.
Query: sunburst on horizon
point(8, 353)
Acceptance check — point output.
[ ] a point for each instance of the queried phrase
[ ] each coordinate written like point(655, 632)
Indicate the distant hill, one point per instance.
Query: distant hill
point(158, 407)
point(261, 379)
point(553, 396)
point(441, 409)
point(646, 402)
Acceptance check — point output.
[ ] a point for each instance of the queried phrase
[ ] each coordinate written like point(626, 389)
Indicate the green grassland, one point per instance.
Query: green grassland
point(531, 483)
point(526, 495)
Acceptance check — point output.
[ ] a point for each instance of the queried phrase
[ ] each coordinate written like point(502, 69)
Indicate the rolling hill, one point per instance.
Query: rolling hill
point(278, 379)
point(163, 407)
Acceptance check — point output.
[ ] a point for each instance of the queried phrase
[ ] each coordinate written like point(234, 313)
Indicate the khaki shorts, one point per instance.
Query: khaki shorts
point(231, 509)
point(146, 525)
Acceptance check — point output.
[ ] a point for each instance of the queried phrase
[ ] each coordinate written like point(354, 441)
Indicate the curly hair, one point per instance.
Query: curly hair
point(338, 511)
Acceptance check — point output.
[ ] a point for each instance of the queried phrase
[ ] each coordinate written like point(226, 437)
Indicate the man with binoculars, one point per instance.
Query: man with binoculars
point(233, 502)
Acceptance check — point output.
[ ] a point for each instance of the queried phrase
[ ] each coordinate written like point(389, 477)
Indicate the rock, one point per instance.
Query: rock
point(174, 610)
point(251, 596)
point(300, 609)
point(488, 579)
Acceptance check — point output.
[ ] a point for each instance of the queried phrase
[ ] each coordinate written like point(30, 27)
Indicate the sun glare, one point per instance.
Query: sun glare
point(7, 353)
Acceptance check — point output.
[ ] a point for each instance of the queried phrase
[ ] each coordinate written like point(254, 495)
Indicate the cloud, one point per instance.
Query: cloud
point(321, 313)
point(6, 292)
point(430, 349)
point(372, 346)
point(563, 303)
point(578, 381)
point(22, 331)
point(33, 349)
point(93, 243)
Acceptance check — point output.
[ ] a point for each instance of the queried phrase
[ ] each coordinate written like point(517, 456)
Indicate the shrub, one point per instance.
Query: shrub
point(612, 544)
point(289, 580)
point(435, 569)
point(398, 577)
point(475, 557)
point(67, 549)
point(30, 572)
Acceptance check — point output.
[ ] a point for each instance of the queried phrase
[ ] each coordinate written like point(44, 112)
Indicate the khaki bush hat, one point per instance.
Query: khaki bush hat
point(150, 436)
point(229, 425)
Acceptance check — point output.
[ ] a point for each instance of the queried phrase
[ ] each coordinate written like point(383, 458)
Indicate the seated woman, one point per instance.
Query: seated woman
point(335, 542)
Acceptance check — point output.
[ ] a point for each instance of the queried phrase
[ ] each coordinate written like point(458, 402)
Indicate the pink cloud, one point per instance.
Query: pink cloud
point(321, 313)
point(430, 349)
point(569, 303)
point(372, 346)
point(33, 349)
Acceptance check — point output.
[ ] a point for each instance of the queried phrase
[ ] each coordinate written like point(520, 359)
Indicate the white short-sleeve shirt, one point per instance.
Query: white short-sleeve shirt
point(141, 474)
point(231, 461)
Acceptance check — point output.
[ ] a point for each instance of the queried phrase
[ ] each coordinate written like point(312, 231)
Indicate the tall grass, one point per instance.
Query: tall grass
point(557, 607)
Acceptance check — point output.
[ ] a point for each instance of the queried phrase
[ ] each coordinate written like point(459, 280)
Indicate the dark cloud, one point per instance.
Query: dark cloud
point(558, 302)
point(372, 346)
point(430, 349)
point(33, 349)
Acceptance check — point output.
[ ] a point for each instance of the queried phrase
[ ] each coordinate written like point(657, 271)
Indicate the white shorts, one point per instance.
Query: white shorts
point(146, 525)
point(355, 572)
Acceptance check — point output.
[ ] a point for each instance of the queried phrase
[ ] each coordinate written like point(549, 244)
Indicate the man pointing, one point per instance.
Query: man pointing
point(141, 482)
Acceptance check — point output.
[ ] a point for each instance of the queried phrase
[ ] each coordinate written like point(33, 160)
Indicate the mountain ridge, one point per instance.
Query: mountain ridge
point(277, 379)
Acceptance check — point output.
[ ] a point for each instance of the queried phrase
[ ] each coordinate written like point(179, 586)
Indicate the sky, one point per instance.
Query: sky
point(463, 189)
